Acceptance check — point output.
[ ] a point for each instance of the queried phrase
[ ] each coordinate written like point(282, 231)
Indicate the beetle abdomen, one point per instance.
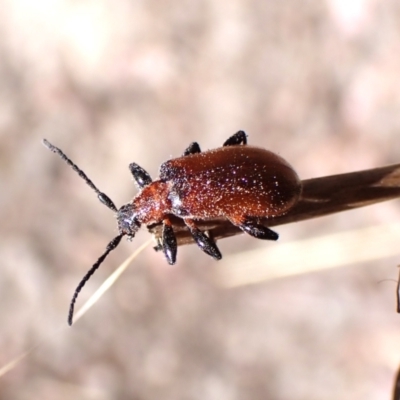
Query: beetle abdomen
point(231, 181)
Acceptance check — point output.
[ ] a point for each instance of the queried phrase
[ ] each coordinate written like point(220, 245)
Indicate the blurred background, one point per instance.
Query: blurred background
point(115, 82)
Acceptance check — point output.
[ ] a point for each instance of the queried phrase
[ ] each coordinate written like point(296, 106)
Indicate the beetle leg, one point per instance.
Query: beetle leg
point(141, 177)
point(169, 242)
point(253, 228)
point(203, 241)
point(193, 148)
point(239, 137)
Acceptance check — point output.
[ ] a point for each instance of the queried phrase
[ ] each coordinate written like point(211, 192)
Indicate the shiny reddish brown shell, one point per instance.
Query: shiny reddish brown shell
point(231, 181)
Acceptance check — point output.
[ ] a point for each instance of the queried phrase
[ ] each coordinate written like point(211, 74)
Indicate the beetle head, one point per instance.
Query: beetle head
point(128, 222)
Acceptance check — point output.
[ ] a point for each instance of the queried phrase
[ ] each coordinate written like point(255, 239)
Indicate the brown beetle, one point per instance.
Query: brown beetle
point(239, 182)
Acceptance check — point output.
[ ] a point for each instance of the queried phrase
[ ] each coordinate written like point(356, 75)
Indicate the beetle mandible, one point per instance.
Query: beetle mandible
point(239, 182)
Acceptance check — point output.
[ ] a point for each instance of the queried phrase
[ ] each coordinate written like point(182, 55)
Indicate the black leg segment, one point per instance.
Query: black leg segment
point(141, 177)
point(169, 243)
point(258, 231)
point(238, 138)
point(203, 241)
point(206, 244)
point(193, 148)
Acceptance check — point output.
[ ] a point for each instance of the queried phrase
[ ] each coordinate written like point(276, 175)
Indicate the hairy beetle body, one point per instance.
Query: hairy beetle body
point(231, 181)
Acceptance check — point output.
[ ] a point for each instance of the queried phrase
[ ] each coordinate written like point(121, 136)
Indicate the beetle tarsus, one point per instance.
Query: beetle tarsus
point(141, 176)
point(169, 243)
point(193, 148)
point(239, 137)
point(258, 231)
point(205, 243)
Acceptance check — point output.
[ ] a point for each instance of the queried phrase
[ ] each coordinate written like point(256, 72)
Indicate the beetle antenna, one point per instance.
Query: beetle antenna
point(101, 196)
point(110, 247)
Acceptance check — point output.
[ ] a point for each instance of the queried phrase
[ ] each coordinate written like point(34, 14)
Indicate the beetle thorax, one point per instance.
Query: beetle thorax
point(152, 203)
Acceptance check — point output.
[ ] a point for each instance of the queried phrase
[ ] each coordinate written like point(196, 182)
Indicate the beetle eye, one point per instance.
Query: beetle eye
point(127, 220)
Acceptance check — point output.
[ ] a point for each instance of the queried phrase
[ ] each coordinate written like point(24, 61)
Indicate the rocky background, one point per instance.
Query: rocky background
point(112, 82)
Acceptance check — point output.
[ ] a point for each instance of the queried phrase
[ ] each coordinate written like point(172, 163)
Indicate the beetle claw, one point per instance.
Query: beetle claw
point(258, 231)
point(205, 243)
point(193, 148)
point(239, 137)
